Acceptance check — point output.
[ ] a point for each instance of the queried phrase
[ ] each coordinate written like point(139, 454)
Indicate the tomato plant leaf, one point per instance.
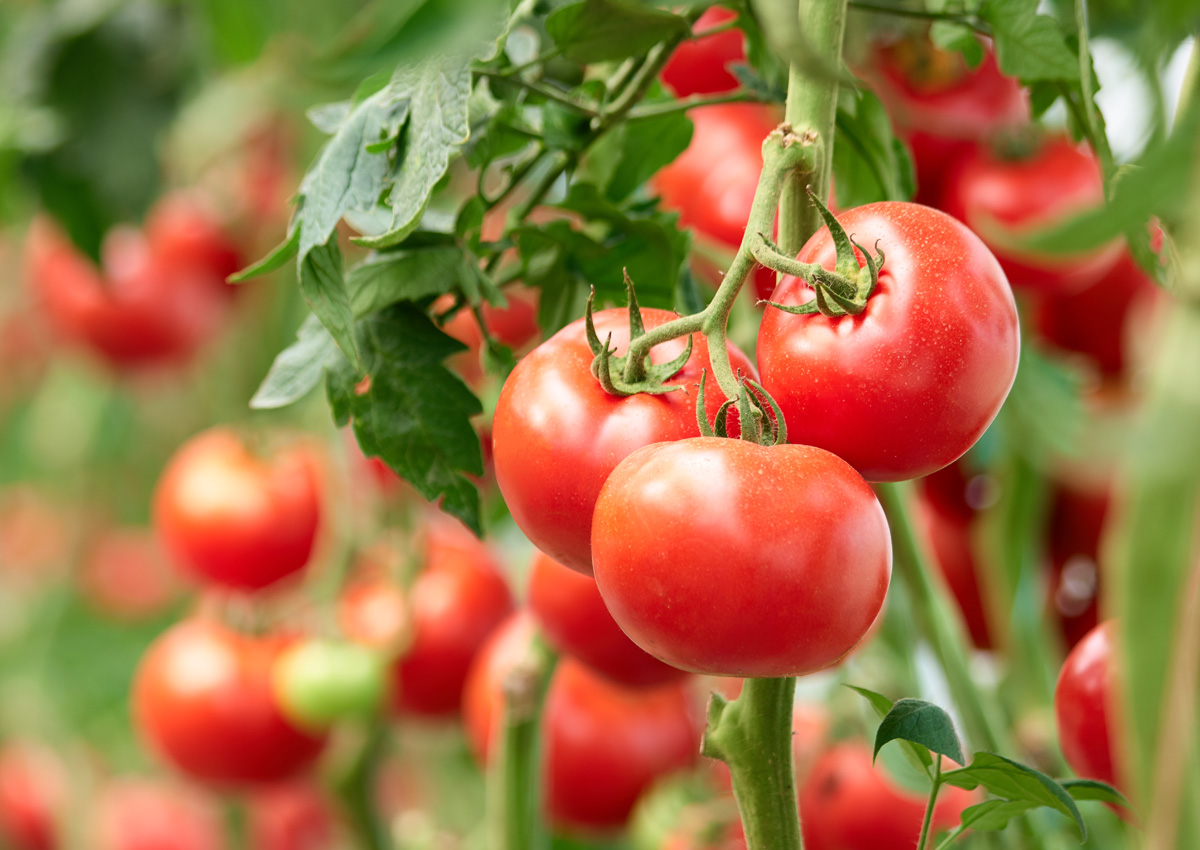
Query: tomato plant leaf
point(600, 30)
point(917, 755)
point(957, 36)
point(879, 702)
point(992, 815)
point(1015, 781)
point(385, 278)
point(869, 162)
point(324, 290)
point(415, 413)
point(298, 368)
point(1028, 45)
point(921, 723)
point(279, 255)
point(640, 148)
point(436, 93)
point(1091, 789)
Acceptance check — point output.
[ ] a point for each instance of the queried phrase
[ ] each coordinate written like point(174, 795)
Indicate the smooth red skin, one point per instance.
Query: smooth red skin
point(557, 434)
point(945, 117)
point(687, 572)
point(848, 804)
point(373, 611)
point(142, 814)
point(1075, 528)
point(234, 520)
point(186, 233)
point(126, 576)
point(603, 744)
point(701, 65)
point(712, 183)
point(949, 538)
point(33, 788)
point(459, 598)
point(1024, 196)
point(513, 325)
point(1083, 704)
point(136, 312)
point(1094, 322)
point(202, 700)
point(291, 817)
point(575, 621)
point(907, 386)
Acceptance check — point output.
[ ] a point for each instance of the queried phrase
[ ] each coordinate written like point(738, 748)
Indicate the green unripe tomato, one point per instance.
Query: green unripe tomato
point(319, 682)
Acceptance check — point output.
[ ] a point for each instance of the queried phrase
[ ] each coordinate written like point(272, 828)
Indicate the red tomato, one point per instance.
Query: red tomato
point(1096, 322)
point(685, 568)
point(942, 108)
point(513, 325)
point(1083, 702)
point(712, 183)
point(33, 790)
point(701, 65)
point(457, 600)
point(911, 383)
point(575, 622)
point(185, 233)
point(1005, 200)
point(145, 814)
point(604, 744)
point(1075, 529)
point(557, 434)
point(848, 804)
point(373, 611)
point(292, 817)
point(236, 520)
point(137, 311)
point(202, 699)
point(125, 575)
point(950, 540)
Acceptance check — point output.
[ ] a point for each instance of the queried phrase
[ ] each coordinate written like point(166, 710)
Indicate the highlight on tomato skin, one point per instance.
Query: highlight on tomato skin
point(1084, 706)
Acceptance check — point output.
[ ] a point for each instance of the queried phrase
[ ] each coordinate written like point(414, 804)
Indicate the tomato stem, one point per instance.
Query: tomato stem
point(933, 795)
point(753, 735)
point(356, 789)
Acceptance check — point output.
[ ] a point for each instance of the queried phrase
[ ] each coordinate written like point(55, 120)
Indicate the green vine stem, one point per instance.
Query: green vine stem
point(929, 807)
point(356, 789)
point(753, 735)
point(938, 620)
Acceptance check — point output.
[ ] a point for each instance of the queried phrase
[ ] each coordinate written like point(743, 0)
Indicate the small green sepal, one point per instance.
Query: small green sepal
point(616, 374)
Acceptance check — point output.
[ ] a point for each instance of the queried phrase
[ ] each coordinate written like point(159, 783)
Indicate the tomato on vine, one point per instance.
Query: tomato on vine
point(149, 814)
point(1084, 703)
point(908, 384)
point(725, 557)
point(701, 65)
point(557, 434)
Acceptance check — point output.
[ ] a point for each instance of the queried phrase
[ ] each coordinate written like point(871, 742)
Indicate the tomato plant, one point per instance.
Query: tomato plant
point(659, 531)
point(203, 700)
point(908, 385)
point(557, 434)
point(701, 65)
point(234, 519)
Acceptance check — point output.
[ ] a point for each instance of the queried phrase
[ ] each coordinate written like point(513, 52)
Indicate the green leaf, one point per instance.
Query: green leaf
point(1028, 45)
point(643, 147)
point(879, 702)
point(324, 290)
point(1014, 781)
point(992, 815)
point(279, 255)
point(923, 723)
point(917, 755)
point(298, 368)
point(1043, 414)
point(436, 93)
point(384, 279)
point(953, 35)
point(869, 162)
point(415, 415)
point(1091, 789)
point(602, 30)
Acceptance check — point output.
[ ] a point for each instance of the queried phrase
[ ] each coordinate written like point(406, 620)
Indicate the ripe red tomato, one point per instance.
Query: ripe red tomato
point(849, 804)
point(701, 65)
point(1074, 532)
point(1096, 322)
point(513, 325)
point(33, 790)
point(234, 519)
point(186, 233)
point(137, 311)
point(457, 600)
point(604, 744)
point(712, 183)
point(1006, 199)
point(557, 434)
point(684, 565)
point(1083, 702)
point(908, 385)
point(146, 814)
point(202, 700)
point(373, 611)
point(292, 817)
point(941, 107)
point(125, 575)
point(575, 622)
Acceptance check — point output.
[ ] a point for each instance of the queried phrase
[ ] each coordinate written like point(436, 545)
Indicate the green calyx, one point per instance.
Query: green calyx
point(841, 292)
point(759, 418)
point(620, 375)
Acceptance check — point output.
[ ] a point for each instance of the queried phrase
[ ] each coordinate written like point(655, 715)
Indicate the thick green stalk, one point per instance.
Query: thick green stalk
point(929, 807)
point(753, 735)
point(938, 620)
point(356, 789)
point(812, 108)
